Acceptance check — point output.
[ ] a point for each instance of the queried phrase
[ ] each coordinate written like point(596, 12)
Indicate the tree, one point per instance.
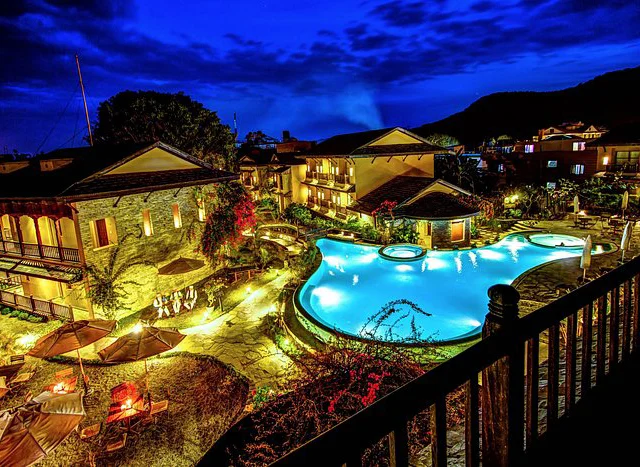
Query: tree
point(175, 119)
point(107, 283)
point(442, 140)
point(232, 212)
point(461, 171)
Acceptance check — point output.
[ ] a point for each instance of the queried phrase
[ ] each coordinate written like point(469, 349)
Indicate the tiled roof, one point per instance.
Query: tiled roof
point(74, 179)
point(347, 143)
point(399, 189)
point(418, 148)
point(624, 134)
point(437, 205)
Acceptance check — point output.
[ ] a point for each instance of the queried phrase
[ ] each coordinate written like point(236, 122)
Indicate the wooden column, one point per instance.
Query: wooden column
point(83, 259)
point(503, 385)
point(38, 236)
point(16, 221)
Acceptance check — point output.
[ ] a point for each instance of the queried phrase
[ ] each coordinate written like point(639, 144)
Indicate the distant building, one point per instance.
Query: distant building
point(619, 151)
point(575, 129)
point(63, 211)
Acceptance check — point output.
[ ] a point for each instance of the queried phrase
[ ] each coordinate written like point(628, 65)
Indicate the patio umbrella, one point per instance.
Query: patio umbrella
point(626, 239)
point(585, 260)
point(72, 336)
point(625, 202)
point(576, 206)
point(140, 345)
point(180, 266)
point(30, 432)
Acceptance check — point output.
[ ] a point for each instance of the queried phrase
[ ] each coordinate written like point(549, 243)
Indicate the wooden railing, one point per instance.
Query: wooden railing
point(9, 282)
point(36, 306)
point(46, 252)
point(600, 318)
point(623, 167)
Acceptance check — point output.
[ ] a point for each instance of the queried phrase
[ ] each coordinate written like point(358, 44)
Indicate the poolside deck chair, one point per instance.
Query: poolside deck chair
point(117, 445)
point(10, 370)
point(90, 431)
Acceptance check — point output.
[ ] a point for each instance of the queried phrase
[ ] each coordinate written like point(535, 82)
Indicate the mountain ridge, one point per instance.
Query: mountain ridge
point(610, 99)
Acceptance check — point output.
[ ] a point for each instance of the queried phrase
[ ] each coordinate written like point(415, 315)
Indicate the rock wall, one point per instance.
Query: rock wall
point(165, 245)
point(441, 234)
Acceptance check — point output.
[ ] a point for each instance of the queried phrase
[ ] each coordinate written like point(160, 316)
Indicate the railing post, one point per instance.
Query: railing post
point(503, 385)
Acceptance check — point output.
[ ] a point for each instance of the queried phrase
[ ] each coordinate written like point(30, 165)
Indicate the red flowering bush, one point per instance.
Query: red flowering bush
point(232, 212)
point(336, 384)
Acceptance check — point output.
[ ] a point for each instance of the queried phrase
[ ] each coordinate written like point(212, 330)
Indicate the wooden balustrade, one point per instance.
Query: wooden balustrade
point(46, 252)
point(599, 318)
point(36, 306)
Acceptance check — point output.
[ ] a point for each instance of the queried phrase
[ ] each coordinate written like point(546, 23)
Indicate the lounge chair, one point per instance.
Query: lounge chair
point(63, 374)
point(158, 408)
point(90, 431)
point(22, 378)
point(10, 370)
point(16, 359)
point(117, 445)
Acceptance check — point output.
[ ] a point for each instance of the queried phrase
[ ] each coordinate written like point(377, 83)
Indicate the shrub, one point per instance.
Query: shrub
point(35, 319)
point(14, 313)
point(23, 315)
point(5, 311)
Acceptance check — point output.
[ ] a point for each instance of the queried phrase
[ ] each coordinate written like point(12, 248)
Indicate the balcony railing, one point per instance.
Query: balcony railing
point(36, 306)
point(599, 323)
point(324, 178)
point(46, 252)
point(312, 201)
point(623, 168)
point(341, 212)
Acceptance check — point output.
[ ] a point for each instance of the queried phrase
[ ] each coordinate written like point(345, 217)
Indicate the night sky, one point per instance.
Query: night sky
point(314, 67)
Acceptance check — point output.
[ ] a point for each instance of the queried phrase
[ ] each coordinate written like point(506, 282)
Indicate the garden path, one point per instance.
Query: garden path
point(238, 339)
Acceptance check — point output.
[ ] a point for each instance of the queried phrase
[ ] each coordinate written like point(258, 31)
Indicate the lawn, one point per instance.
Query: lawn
point(205, 398)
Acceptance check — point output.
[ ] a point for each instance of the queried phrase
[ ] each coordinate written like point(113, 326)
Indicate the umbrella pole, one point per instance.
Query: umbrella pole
point(84, 377)
point(146, 380)
point(584, 274)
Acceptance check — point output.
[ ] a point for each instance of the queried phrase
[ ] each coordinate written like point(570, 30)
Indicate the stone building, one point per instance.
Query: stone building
point(438, 210)
point(72, 208)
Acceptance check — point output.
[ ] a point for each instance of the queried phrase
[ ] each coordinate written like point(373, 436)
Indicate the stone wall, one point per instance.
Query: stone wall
point(165, 245)
point(441, 234)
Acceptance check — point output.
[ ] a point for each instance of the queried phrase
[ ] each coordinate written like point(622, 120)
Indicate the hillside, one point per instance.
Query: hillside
point(609, 99)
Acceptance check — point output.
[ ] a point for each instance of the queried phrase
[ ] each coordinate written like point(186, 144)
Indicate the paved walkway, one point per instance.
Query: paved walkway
point(238, 339)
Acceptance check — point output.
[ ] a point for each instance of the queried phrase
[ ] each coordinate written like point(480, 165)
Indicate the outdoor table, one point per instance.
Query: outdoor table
point(124, 412)
point(63, 387)
point(587, 221)
point(615, 224)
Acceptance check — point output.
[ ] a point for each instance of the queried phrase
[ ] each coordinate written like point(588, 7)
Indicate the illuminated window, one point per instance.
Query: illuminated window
point(177, 217)
point(501, 168)
point(551, 185)
point(103, 232)
point(552, 164)
point(605, 160)
point(578, 146)
point(528, 148)
point(350, 171)
point(627, 157)
point(577, 169)
point(457, 231)
point(201, 211)
point(147, 225)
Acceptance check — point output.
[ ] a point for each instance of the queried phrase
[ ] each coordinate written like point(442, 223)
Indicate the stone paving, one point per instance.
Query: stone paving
point(238, 339)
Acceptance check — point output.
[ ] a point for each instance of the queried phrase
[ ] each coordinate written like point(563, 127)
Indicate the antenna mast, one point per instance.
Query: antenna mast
point(84, 99)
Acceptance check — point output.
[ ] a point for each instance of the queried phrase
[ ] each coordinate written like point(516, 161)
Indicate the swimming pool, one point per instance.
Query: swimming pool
point(354, 282)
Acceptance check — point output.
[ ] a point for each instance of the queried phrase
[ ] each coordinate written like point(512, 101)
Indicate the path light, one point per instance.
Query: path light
point(137, 328)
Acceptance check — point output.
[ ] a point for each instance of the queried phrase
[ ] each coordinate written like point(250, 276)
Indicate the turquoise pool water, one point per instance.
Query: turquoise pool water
point(354, 283)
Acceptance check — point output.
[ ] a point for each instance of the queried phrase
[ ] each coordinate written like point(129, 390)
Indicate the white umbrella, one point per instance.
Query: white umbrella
point(576, 204)
point(585, 260)
point(625, 202)
point(626, 239)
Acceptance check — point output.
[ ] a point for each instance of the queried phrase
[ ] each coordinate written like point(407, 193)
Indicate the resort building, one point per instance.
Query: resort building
point(619, 151)
point(438, 209)
point(71, 209)
point(574, 129)
point(342, 169)
point(270, 172)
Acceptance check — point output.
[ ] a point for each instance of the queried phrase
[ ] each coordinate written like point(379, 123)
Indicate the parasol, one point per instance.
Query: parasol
point(585, 260)
point(30, 432)
point(72, 336)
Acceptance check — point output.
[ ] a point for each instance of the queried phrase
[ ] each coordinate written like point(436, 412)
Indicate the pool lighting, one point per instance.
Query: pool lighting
point(334, 262)
point(491, 255)
point(356, 278)
point(435, 263)
point(458, 262)
point(404, 268)
point(327, 296)
point(474, 258)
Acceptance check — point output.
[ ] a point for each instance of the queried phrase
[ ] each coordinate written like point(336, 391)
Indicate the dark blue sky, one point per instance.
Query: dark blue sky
point(315, 67)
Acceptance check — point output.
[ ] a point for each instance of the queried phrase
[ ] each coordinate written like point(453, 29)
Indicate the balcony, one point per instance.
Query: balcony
point(324, 178)
point(44, 252)
point(36, 306)
point(622, 168)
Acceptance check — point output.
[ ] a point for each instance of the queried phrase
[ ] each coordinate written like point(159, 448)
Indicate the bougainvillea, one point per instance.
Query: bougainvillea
point(232, 213)
point(385, 209)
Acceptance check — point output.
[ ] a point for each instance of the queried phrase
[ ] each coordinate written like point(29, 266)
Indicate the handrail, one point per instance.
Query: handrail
point(45, 252)
point(614, 296)
point(45, 308)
